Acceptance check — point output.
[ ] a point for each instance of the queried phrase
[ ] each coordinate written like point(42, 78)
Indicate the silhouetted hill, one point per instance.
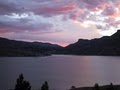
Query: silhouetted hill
point(21, 48)
point(107, 45)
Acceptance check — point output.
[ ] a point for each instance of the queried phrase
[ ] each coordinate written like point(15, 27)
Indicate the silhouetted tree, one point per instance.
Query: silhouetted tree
point(45, 86)
point(73, 87)
point(110, 87)
point(96, 87)
point(22, 84)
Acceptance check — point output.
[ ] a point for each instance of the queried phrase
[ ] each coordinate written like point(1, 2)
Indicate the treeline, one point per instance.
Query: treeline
point(22, 84)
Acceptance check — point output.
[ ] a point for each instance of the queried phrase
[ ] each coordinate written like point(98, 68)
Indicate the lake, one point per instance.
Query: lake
point(61, 71)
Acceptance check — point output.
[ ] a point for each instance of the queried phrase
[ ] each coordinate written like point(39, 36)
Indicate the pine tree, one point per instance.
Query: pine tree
point(96, 87)
point(72, 88)
point(45, 86)
point(21, 84)
point(111, 87)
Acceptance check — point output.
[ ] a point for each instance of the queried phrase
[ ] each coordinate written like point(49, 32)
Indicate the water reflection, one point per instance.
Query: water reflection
point(60, 71)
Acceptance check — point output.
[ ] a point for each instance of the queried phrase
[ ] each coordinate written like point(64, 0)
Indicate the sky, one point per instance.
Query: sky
point(58, 21)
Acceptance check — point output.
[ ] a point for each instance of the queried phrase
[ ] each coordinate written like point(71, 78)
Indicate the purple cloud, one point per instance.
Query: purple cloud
point(110, 11)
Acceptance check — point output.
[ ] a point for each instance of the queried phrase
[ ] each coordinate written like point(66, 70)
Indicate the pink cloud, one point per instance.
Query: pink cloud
point(95, 5)
point(56, 9)
point(115, 24)
point(110, 11)
point(76, 14)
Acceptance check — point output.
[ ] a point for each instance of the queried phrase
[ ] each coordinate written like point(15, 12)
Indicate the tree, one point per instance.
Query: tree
point(21, 84)
point(96, 86)
point(110, 87)
point(72, 88)
point(45, 86)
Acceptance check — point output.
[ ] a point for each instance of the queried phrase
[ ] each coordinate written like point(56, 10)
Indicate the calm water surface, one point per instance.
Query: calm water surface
point(61, 71)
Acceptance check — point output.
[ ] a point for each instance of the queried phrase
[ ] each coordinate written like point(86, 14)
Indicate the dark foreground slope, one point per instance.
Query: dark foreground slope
point(20, 48)
point(107, 45)
point(105, 87)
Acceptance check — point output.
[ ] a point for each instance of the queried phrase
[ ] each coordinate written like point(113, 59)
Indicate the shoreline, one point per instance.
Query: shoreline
point(103, 87)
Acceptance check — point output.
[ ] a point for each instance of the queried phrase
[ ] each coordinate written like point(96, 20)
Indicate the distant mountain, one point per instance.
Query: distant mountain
point(107, 45)
point(21, 48)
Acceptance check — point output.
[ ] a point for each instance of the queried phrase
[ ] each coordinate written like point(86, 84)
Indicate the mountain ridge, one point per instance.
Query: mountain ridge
point(107, 45)
point(21, 48)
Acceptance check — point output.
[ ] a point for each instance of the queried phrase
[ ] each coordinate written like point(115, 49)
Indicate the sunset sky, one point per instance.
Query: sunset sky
point(58, 21)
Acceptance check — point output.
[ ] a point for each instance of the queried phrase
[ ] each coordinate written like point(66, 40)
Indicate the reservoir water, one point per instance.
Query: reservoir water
point(61, 71)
